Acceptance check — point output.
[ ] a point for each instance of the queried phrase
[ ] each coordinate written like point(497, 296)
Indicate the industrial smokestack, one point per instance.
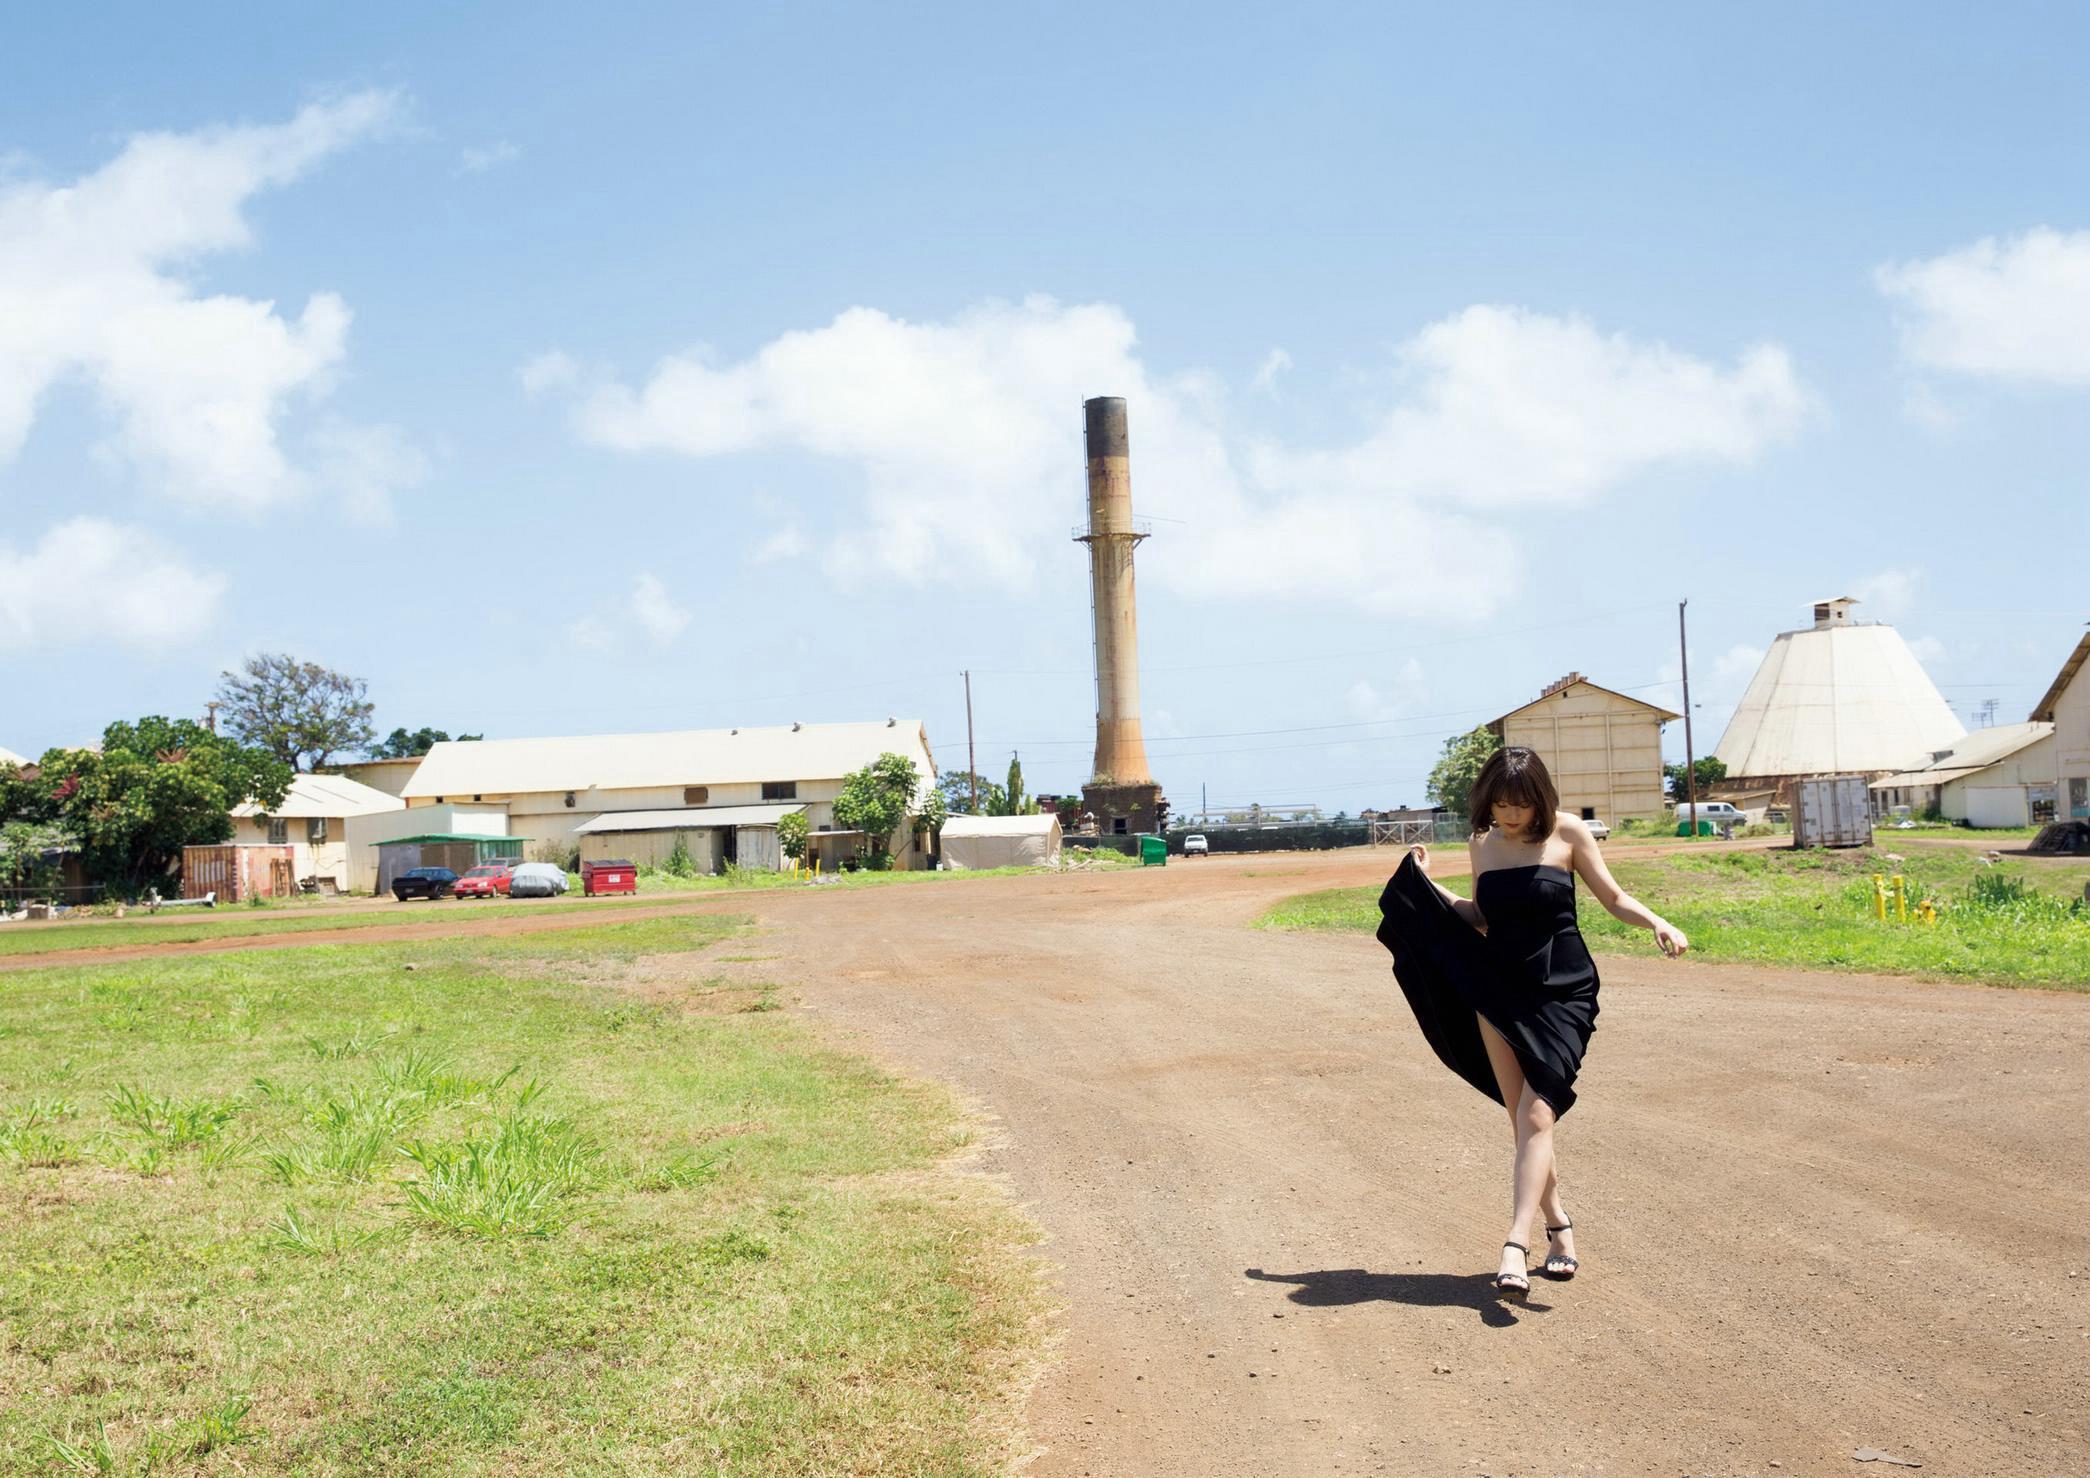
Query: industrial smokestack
point(1121, 749)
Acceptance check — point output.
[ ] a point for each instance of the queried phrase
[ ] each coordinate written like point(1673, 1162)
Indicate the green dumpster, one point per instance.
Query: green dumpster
point(1153, 851)
point(1683, 828)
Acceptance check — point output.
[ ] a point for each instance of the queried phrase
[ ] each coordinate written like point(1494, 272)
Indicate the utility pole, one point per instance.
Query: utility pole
point(972, 763)
point(1204, 804)
point(1683, 648)
point(211, 714)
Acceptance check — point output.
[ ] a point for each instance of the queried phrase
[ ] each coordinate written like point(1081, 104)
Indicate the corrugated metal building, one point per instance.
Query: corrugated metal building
point(2002, 776)
point(1604, 749)
point(549, 788)
point(2067, 707)
point(368, 834)
point(1839, 697)
point(714, 836)
point(313, 822)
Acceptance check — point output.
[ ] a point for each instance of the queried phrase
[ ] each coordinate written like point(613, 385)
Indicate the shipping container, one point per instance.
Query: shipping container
point(1832, 811)
point(236, 873)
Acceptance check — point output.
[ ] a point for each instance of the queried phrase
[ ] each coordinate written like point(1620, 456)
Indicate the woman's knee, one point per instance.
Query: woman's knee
point(1533, 1115)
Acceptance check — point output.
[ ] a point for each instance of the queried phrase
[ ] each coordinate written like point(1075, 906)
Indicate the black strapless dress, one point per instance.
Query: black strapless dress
point(1530, 975)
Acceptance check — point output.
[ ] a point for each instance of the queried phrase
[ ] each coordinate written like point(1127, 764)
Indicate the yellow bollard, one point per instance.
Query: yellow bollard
point(1879, 898)
point(1901, 898)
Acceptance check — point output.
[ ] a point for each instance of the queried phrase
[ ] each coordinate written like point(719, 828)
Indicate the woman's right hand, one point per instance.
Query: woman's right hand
point(1421, 854)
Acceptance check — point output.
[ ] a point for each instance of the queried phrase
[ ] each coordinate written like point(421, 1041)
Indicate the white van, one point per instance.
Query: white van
point(1720, 813)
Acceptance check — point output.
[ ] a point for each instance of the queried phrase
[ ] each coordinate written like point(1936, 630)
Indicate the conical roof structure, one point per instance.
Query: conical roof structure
point(1838, 697)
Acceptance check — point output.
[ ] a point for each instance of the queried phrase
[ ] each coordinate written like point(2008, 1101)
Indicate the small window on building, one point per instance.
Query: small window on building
point(1117, 826)
point(696, 795)
point(316, 830)
point(279, 831)
point(1589, 813)
point(780, 790)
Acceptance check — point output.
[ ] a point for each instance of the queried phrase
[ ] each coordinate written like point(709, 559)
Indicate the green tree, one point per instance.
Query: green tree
point(22, 848)
point(956, 789)
point(1708, 768)
point(156, 786)
point(401, 745)
point(1459, 766)
point(1013, 800)
point(792, 829)
point(300, 712)
point(875, 801)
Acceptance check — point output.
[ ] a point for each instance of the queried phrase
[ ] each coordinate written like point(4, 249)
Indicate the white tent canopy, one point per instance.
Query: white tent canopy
point(1001, 841)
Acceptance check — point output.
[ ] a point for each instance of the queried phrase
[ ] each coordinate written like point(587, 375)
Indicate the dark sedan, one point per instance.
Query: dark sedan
point(424, 882)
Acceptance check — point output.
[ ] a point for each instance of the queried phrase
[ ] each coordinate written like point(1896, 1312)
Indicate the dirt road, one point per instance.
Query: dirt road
point(1817, 1213)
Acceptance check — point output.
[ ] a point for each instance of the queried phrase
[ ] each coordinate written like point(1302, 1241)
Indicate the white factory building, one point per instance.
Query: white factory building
point(722, 791)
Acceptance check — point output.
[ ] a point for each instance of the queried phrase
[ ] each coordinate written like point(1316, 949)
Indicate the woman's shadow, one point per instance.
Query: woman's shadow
point(1332, 1287)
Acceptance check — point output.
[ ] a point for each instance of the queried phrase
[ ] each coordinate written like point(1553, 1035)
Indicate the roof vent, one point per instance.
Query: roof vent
point(736, 731)
point(795, 727)
point(892, 723)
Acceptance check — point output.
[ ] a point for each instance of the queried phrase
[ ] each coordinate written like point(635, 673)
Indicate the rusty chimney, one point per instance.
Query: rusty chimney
point(1121, 749)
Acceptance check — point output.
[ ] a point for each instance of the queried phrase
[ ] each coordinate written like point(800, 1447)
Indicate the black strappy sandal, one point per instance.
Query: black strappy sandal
point(1567, 1267)
point(1513, 1285)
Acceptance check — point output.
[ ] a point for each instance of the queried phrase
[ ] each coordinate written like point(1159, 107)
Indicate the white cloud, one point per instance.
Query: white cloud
point(1927, 649)
point(362, 466)
point(1392, 696)
point(654, 612)
point(647, 611)
point(1887, 595)
point(785, 543)
point(2016, 308)
point(965, 433)
point(1739, 661)
point(1275, 363)
point(88, 580)
point(477, 159)
point(94, 286)
point(548, 373)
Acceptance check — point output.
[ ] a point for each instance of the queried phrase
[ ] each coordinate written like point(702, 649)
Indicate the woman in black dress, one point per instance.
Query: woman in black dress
point(1501, 983)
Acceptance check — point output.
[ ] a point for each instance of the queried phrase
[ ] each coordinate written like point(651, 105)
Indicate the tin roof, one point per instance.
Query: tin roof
point(326, 795)
point(2069, 669)
point(447, 836)
point(1001, 826)
point(688, 818)
point(9, 757)
point(1909, 778)
point(1577, 680)
point(684, 757)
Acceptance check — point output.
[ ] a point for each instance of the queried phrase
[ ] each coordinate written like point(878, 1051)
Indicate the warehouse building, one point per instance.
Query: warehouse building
point(1604, 749)
point(2067, 707)
point(313, 821)
point(2002, 776)
point(549, 791)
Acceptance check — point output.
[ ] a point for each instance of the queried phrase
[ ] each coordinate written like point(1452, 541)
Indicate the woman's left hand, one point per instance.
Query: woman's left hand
point(1670, 938)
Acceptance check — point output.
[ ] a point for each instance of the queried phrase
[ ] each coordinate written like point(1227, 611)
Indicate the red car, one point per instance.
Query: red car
point(485, 881)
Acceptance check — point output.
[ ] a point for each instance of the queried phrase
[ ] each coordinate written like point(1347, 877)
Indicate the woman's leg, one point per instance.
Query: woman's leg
point(1534, 1161)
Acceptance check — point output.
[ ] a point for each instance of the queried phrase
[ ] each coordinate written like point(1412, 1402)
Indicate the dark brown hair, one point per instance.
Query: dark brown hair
point(1515, 776)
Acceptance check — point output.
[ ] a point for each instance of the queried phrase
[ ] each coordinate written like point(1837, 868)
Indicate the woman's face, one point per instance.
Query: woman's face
point(1513, 820)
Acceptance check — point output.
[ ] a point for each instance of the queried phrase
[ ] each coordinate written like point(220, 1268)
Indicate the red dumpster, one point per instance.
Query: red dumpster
point(611, 875)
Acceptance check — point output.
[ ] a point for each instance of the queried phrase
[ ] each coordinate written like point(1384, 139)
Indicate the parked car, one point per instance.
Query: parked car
point(1598, 829)
point(487, 880)
point(536, 880)
point(1195, 845)
point(1720, 813)
point(424, 882)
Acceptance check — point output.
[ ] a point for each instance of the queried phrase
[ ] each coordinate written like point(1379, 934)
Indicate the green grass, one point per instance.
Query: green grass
point(236, 923)
point(314, 1211)
point(2003, 925)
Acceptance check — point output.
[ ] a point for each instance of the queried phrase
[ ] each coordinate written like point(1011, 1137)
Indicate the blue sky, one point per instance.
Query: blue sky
point(662, 367)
